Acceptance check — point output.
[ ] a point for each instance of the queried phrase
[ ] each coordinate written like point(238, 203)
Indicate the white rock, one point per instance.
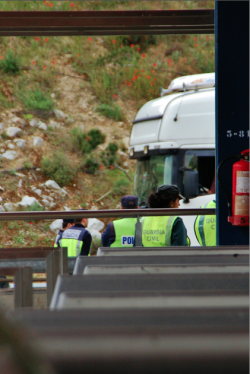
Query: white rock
point(1, 126)
point(54, 125)
point(95, 224)
point(2, 150)
point(95, 234)
point(20, 183)
point(28, 201)
point(41, 185)
point(62, 192)
point(38, 142)
point(126, 164)
point(126, 142)
point(46, 202)
point(34, 122)
point(47, 198)
point(56, 225)
point(42, 126)
point(7, 141)
point(52, 184)
point(38, 169)
point(37, 191)
point(10, 155)
point(52, 95)
point(20, 175)
point(13, 131)
point(59, 114)
point(1, 188)
point(21, 143)
point(9, 207)
point(1, 199)
point(66, 208)
point(51, 205)
point(18, 121)
point(2, 209)
point(11, 146)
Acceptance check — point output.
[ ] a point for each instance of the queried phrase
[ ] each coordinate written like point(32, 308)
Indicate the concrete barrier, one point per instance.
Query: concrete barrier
point(78, 300)
point(203, 260)
point(151, 282)
point(161, 269)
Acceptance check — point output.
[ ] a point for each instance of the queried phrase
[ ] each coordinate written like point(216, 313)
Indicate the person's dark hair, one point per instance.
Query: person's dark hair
point(164, 196)
point(155, 200)
point(64, 225)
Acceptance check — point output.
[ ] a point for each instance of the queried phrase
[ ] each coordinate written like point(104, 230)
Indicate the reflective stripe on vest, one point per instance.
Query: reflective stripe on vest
point(124, 232)
point(157, 231)
point(205, 227)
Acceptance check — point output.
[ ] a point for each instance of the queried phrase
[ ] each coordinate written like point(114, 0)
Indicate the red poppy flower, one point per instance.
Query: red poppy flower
point(169, 61)
point(84, 76)
point(139, 75)
point(154, 64)
point(195, 44)
point(122, 84)
point(31, 223)
point(150, 89)
point(115, 96)
point(37, 39)
point(135, 70)
point(154, 79)
point(44, 2)
point(111, 167)
point(45, 40)
point(207, 37)
point(196, 39)
point(138, 49)
point(129, 83)
point(119, 172)
point(143, 55)
point(126, 82)
point(100, 167)
point(133, 79)
point(53, 62)
point(184, 60)
point(50, 4)
point(152, 83)
point(152, 71)
point(132, 45)
point(148, 77)
point(136, 77)
point(121, 46)
point(114, 41)
point(142, 70)
point(44, 66)
point(34, 62)
point(72, 5)
point(89, 39)
point(1, 57)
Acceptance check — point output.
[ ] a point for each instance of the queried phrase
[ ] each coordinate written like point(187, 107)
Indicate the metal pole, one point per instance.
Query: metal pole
point(64, 260)
point(23, 296)
point(138, 233)
point(52, 271)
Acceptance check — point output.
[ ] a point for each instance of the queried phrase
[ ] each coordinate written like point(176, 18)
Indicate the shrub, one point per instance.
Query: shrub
point(59, 168)
point(10, 64)
point(121, 186)
point(110, 154)
point(27, 165)
point(37, 100)
point(86, 143)
point(108, 111)
point(34, 208)
point(91, 165)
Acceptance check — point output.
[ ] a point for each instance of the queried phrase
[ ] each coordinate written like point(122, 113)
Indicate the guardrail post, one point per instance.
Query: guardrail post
point(64, 260)
point(23, 287)
point(52, 270)
point(138, 233)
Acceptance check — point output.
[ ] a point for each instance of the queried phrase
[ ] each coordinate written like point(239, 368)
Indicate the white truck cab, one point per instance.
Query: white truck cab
point(173, 141)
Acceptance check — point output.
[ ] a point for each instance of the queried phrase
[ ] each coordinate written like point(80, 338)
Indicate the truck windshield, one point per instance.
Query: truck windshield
point(151, 173)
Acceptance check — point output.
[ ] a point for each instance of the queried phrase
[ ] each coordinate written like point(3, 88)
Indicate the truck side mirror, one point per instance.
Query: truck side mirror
point(191, 184)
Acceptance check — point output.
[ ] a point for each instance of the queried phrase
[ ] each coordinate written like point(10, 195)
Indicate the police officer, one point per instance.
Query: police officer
point(67, 223)
point(164, 230)
point(121, 233)
point(76, 238)
point(205, 227)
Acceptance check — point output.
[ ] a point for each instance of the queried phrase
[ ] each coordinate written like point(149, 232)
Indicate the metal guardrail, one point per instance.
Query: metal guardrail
point(18, 216)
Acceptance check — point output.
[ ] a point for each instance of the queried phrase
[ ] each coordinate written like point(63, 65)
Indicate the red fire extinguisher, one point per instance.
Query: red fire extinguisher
point(239, 209)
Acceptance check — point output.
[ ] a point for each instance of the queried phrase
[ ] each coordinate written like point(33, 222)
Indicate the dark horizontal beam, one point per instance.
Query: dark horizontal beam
point(21, 23)
point(17, 216)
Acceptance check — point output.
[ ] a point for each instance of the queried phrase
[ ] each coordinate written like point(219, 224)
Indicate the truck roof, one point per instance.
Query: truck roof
point(176, 121)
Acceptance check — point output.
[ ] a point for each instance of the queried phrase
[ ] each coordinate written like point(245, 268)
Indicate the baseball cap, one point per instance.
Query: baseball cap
point(129, 202)
point(168, 189)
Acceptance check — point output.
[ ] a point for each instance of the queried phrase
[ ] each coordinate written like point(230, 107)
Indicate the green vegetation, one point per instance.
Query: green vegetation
point(85, 143)
point(109, 156)
point(109, 111)
point(10, 64)
point(36, 100)
point(59, 168)
point(121, 186)
point(91, 164)
point(36, 207)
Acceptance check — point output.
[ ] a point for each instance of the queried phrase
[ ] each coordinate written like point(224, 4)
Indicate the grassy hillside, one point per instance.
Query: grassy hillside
point(99, 83)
